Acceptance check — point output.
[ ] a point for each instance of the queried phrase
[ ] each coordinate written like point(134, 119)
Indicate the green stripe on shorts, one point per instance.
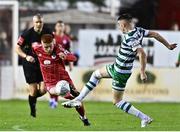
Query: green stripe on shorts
point(119, 79)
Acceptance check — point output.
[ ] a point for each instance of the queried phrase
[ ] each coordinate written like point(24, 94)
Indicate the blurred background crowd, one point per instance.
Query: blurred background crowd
point(86, 14)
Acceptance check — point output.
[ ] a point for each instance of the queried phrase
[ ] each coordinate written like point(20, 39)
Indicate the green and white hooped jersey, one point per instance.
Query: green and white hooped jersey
point(127, 53)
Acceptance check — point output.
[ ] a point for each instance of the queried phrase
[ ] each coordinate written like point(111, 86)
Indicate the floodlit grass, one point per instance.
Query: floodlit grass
point(14, 115)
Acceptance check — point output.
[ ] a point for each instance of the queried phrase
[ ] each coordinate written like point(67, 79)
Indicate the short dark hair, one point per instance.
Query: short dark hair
point(47, 38)
point(124, 16)
point(59, 21)
point(39, 16)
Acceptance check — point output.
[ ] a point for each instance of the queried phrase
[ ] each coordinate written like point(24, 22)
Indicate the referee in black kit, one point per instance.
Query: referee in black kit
point(30, 62)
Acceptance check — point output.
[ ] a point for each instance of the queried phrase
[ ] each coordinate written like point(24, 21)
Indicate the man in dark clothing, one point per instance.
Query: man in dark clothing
point(30, 62)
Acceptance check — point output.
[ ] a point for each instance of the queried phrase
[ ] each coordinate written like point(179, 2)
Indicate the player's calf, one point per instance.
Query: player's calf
point(32, 103)
point(130, 109)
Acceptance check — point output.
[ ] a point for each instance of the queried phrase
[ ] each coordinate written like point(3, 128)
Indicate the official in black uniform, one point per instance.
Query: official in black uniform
point(30, 62)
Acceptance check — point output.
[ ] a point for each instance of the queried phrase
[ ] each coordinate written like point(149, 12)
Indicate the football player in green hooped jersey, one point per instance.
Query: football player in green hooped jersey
point(120, 70)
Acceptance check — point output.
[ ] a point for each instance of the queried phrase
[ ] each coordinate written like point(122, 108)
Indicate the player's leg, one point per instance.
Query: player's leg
point(118, 101)
point(82, 115)
point(81, 109)
point(93, 82)
point(32, 98)
point(71, 95)
point(36, 84)
point(53, 101)
point(41, 90)
point(90, 85)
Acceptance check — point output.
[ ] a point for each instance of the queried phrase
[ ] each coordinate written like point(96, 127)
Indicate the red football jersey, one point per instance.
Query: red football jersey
point(52, 67)
point(63, 40)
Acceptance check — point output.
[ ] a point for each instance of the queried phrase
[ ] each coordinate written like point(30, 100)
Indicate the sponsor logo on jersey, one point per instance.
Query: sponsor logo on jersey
point(47, 62)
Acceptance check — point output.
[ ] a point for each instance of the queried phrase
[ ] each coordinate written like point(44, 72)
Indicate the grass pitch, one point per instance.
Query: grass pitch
point(14, 115)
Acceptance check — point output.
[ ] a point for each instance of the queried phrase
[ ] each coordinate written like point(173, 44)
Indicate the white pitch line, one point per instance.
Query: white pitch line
point(17, 128)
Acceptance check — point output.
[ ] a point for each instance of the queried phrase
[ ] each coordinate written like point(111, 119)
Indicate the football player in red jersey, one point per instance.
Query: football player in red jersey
point(64, 41)
point(51, 57)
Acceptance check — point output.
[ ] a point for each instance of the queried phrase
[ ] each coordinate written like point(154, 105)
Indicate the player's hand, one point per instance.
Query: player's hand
point(62, 56)
point(30, 59)
point(143, 76)
point(172, 46)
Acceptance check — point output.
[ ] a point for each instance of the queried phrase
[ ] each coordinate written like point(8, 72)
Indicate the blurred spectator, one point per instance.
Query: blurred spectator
point(5, 49)
point(74, 42)
point(175, 26)
point(63, 39)
point(4, 43)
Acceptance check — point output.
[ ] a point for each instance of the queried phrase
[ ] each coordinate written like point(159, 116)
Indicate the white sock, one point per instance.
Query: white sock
point(137, 113)
point(128, 108)
point(51, 100)
point(83, 117)
point(84, 92)
point(90, 85)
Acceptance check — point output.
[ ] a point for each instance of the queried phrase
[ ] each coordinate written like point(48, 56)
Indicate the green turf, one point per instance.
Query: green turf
point(14, 115)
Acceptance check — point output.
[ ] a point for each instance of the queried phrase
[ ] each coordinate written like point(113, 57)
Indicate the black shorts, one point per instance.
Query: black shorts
point(32, 72)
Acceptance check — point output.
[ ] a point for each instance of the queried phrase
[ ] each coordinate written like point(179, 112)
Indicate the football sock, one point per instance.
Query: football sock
point(90, 85)
point(32, 104)
point(128, 108)
point(55, 97)
point(81, 112)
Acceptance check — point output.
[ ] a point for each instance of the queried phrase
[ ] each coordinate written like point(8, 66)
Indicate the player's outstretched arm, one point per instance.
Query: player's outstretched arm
point(143, 60)
point(161, 39)
point(70, 57)
point(67, 56)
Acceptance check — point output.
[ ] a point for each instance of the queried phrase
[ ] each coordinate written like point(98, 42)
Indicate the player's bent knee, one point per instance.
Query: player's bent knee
point(33, 92)
point(53, 91)
point(97, 74)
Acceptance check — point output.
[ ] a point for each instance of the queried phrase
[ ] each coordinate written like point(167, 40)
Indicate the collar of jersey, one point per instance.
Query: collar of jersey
point(131, 32)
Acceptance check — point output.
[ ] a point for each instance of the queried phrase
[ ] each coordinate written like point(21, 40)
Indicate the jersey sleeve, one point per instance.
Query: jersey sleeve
point(22, 38)
point(145, 32)
point(135, 44)
point(69, 56)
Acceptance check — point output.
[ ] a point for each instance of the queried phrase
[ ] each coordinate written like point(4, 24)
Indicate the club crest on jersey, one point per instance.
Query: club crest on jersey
point(40, 55)
point(47, 62)
point(53, 56)
point(64, 41)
